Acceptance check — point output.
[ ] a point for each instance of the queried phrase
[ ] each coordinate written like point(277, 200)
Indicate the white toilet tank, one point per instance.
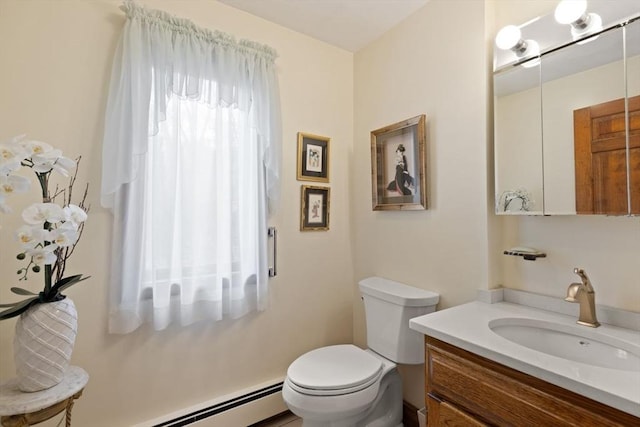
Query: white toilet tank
point(388, 307)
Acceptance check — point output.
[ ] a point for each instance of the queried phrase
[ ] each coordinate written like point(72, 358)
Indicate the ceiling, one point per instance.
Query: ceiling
point(348, 24)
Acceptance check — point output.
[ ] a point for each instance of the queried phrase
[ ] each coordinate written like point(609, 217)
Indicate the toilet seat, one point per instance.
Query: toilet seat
point(334, 370)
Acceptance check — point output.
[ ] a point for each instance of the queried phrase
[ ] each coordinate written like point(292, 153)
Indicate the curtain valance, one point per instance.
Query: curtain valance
point(185, 26)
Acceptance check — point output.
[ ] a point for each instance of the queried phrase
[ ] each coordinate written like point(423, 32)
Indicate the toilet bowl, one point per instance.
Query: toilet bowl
point(338, 385)
point(346, 386)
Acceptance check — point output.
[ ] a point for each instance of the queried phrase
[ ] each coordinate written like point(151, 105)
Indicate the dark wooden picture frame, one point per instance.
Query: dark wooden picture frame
point(314, 208)
point(313, 157)
point(398, 166)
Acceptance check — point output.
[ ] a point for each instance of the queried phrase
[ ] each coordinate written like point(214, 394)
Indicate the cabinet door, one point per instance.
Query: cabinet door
point(444, 414)
point(601, 153)
point(484, 390)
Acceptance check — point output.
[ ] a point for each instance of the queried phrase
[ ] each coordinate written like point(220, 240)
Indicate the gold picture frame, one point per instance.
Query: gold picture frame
point(313, 157)
point(314, 208)
point(398, 166)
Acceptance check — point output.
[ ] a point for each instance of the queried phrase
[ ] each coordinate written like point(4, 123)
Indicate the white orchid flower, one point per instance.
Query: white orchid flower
point(64, 165)
point(74, 214)
point(9, 166)
point(52, 159)
point(39, 213)
point(4, 207)
point(11, 156)
point(31, 236)
point(43, 162)
point(34, 147)
point(13, 184)
point(43, 256)
point(65, 235)
point(51, 231)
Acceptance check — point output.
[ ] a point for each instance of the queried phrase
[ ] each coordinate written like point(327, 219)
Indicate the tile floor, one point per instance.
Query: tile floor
point(285, 420)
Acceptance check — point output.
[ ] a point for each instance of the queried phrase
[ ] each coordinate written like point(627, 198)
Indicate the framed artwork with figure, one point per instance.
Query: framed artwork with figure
point(313, 157)
point(314, 208)
point(398, 166)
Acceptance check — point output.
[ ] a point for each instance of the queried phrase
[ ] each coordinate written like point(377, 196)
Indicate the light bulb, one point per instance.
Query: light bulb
point(533, 50)
point(508, 37)
point(569, 11)
point(594, 26)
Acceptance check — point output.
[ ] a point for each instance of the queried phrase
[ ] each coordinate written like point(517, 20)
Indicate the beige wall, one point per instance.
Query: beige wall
point(54, 77)
point(423, 66)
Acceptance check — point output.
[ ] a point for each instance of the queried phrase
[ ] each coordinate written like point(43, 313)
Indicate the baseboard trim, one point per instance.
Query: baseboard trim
point(221, 407)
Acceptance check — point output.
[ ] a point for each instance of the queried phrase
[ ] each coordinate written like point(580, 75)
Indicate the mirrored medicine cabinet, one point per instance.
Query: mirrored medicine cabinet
point(567, 120)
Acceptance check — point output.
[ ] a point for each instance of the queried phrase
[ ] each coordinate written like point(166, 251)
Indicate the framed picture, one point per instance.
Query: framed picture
point(314, 208)
point(313, 157)
point(398, 166)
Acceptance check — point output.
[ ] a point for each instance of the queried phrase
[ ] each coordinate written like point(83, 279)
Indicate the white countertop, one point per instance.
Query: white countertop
point(467, 327)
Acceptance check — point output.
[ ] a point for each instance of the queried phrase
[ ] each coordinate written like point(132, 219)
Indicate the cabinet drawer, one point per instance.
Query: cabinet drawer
point(443, 414)
point(500, 395)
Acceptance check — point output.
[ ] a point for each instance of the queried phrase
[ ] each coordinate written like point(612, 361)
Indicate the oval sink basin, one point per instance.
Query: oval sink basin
point(570, 342)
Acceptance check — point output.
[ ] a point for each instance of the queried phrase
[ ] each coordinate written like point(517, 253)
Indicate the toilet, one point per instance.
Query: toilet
point(346, 386)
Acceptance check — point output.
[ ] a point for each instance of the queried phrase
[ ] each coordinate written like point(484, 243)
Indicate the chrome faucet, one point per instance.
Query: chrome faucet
point(584, 294)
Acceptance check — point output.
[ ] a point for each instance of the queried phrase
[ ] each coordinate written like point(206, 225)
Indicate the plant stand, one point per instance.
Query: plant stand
point(19, 409)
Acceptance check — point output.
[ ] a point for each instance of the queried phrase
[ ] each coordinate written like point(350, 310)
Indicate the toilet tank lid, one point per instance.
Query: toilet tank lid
point(398, 293)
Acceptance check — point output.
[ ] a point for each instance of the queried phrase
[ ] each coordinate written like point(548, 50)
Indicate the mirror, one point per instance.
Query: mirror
point(632, 36)
point(518, 143)
point(577, 81)
point(562, 122)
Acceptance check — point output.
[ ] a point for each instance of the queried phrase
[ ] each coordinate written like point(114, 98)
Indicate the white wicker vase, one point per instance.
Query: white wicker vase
point(42, 344)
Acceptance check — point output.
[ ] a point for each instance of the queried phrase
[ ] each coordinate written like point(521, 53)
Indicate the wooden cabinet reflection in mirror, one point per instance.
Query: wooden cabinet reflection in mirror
point(601, 158)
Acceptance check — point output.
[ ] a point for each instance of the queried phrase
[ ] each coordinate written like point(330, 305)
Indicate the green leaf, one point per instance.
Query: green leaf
point(11, 304)
point(67, 279)
point(21, 291)
point(18, 309)
point(69, 284)
point(65, 283)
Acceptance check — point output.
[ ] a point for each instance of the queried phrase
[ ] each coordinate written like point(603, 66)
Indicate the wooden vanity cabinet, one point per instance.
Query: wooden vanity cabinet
point(464, 389)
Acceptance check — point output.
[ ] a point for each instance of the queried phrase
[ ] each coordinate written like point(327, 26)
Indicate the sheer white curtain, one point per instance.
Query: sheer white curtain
point(190, 168)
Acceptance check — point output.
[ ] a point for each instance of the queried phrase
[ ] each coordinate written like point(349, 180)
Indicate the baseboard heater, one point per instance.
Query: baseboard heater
point(220, 407)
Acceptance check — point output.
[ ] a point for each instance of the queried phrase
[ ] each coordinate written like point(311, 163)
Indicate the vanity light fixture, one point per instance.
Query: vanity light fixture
point(510, 38)
point(574, 13)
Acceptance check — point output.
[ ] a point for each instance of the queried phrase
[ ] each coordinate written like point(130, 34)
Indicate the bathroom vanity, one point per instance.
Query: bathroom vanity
point(465, 389)
point(511, 364)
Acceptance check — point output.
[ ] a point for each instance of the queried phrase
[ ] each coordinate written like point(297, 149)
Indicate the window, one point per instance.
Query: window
point(190, 167)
